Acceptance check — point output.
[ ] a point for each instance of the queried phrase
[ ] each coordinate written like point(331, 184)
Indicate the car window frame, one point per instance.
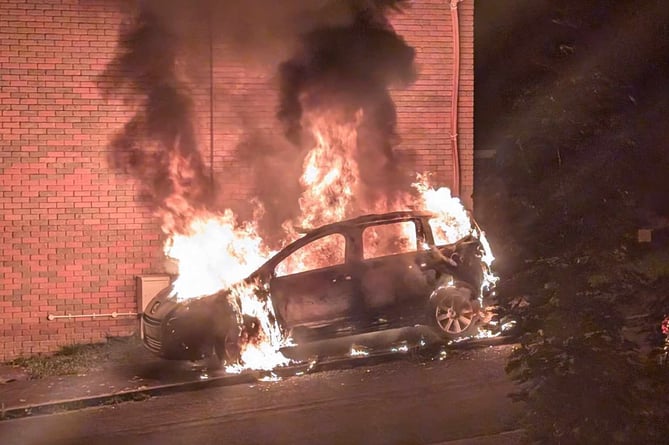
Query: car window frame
point(417, 232)
point(303, 242)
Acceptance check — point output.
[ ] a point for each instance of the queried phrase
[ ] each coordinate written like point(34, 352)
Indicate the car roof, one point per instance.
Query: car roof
point(359, 221)
point(374, 218)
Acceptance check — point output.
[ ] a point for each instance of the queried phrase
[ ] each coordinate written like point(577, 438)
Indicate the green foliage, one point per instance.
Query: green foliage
point(76, 358)
point(598, 280)
point(574, 158)
point(581, 380)
point(575, 372)
point(71, 359)
point(581, 166)
point(652, 266)
point(575, 152)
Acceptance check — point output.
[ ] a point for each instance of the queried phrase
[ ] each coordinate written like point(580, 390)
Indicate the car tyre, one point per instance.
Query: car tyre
point(227, 349)
point(454, 311)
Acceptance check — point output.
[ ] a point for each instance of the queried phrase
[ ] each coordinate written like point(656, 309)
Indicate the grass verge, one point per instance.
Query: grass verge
point(76, 358)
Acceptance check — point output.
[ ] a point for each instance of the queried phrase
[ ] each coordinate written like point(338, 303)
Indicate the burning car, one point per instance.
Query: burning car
point(370, 273)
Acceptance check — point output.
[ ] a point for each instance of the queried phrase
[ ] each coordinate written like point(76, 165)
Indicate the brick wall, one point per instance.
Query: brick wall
point(424, 109)
point(74, 232)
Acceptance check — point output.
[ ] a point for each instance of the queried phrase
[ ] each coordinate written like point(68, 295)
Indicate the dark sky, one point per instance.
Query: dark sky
point(525, 43)
point(574, 95)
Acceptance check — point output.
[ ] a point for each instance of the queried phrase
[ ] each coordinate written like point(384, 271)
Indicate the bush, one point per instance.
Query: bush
point(582, 381)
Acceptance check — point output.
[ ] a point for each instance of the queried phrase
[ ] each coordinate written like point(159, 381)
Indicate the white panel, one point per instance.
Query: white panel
point(147, 288)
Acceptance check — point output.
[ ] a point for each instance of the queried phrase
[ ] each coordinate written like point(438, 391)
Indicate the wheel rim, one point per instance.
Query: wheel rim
point(227, 348)
point(453, 317)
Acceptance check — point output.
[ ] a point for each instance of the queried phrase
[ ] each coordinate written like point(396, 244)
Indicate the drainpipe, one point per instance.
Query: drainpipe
point(211, 100)
point(455, 25)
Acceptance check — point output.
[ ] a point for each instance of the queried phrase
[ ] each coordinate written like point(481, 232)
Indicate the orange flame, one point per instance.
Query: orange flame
point(451, 221)
point(331, 175)
point(261, 352)
point(215, 251)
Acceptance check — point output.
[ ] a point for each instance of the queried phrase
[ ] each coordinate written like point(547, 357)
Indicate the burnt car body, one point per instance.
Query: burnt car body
point(371, 273)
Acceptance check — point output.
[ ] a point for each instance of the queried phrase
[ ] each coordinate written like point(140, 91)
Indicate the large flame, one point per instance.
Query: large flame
point(216, 251)
point(262, 351)
point(451, 221)
point(331, 175)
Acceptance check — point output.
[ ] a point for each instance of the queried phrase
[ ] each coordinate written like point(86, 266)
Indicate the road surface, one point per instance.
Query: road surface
point(461, 399)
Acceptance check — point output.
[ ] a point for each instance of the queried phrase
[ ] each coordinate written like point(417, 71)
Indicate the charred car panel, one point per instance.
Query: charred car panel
point(404, 284)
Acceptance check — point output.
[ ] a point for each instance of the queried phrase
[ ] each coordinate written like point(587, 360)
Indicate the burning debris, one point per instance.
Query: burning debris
point(401, 348)
point(358, 351)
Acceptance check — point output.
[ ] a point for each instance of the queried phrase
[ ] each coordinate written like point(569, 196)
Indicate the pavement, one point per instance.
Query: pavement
point(129, 372)
point(378, 396)
point(126, 372)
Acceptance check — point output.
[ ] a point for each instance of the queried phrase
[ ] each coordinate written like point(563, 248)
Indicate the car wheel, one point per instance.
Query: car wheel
point(454, 312)
point(227, 349)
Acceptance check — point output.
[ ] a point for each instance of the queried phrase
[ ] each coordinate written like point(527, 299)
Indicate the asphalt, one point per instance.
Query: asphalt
point(136, 374)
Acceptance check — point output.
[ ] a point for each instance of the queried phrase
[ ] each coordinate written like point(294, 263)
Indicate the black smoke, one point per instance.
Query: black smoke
point(158, 144)
point(329, 54)
point(351, 68)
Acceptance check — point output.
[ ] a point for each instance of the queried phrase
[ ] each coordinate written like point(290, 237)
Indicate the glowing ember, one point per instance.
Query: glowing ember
point(270, 378)
point(486, 333)
point(401, 348)
point(358, 351)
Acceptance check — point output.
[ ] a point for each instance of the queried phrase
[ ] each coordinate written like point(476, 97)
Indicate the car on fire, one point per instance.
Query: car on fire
point(370, 273)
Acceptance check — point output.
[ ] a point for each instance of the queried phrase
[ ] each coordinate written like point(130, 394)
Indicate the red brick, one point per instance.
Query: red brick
point(74, 233)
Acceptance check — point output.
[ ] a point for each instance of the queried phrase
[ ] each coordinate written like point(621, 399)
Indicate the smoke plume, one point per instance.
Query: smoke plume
point(329, 54)
point(351, 68)
point(158, 144)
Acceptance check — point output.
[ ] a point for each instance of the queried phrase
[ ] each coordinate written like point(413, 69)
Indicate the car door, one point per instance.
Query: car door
point(393, 283)
point(313, 285)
